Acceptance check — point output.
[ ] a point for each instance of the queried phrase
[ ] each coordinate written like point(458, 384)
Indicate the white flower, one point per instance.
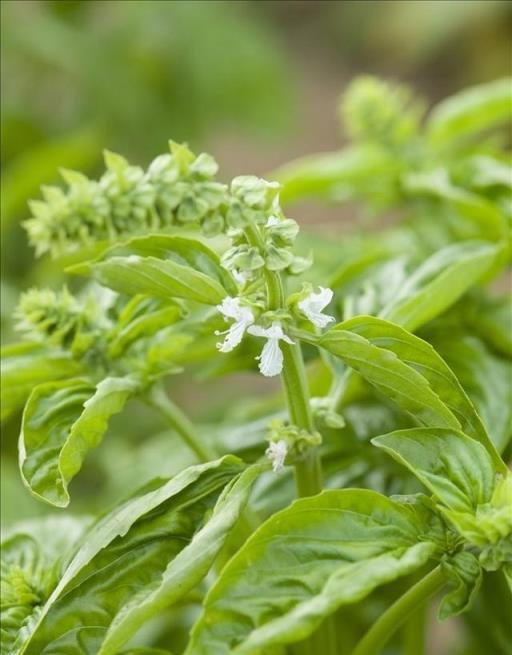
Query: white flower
point(276, 453)
point(240, 277)
point(272, 220)
point(313, 305)
point(271, 358)
point(231, 308)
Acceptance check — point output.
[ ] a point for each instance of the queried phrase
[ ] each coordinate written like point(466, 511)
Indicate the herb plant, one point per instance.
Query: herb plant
point(377, 482)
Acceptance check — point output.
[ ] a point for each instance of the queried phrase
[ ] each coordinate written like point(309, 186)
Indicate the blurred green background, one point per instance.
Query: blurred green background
point(255, 83)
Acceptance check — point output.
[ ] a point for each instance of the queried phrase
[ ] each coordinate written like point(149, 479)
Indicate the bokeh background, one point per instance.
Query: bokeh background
point(256, 83)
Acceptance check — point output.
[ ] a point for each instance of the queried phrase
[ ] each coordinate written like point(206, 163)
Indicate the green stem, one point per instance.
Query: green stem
point(414, 633)
point(308, 472)
point(383, 629)
point(178, 421)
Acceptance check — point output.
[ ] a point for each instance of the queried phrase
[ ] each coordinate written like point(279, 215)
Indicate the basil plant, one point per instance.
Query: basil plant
point(327, 518)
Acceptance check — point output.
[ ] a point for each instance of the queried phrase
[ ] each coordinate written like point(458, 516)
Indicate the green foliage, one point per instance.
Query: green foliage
point(304, 563)
point(163, 266)
point(178, 259)
point(450, 178)
point(61, 422)
point(130, 548)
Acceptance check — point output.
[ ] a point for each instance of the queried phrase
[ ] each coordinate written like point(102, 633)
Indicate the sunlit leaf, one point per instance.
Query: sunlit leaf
point(457, 469)
point(470, 111)
point(162, 266)
point(304, 563)
point(439, 282)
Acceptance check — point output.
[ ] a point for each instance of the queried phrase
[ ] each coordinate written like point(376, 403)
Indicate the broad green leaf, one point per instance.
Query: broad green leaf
point(470, 111)
point(305, 562)
point(389, 374)
point(162, 266)
point(356, 170)
point(456, 468)
point(465, 575)
point(127, 554)
point(24, 366)
point(188, 567)
point(32, 554)
point(410, 372)
point(61, 422)
point(439, 282)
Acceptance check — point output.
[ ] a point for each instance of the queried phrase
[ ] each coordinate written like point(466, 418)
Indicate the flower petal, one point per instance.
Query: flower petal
point(271, 359)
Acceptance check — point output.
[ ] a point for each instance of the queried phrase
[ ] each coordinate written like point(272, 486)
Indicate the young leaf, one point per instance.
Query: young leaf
point(304, 563)
point(470, 111)
point(409, 371)
point(465, 575)
point(162, 266)
point(439, 282)
point(456, 468)
point(127, 557)
point(24, 366)
point(61, 422)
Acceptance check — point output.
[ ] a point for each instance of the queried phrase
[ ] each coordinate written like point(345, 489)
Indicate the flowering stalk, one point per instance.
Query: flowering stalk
point(308, 474)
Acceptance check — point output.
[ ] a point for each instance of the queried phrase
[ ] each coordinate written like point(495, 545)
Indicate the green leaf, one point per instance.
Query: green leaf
point(61, 422)
point(129, 553)
point(456, 468)
point(356, 170)
point(465, 576)
point(491, 319)
point(470, 111)
point(162, 266)
point(305, 562)
point(486, 378)
point(141, 317)
point(24, 366)
point(408, 371)
point(439, 282)
point(187, 569)
point(489, 527)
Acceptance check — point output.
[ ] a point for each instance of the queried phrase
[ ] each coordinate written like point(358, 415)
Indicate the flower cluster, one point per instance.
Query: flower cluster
point(288, 442)
point(381, 112)
point(58, 317)
point(177, 188)
point(243, 318)
point(255, 203)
